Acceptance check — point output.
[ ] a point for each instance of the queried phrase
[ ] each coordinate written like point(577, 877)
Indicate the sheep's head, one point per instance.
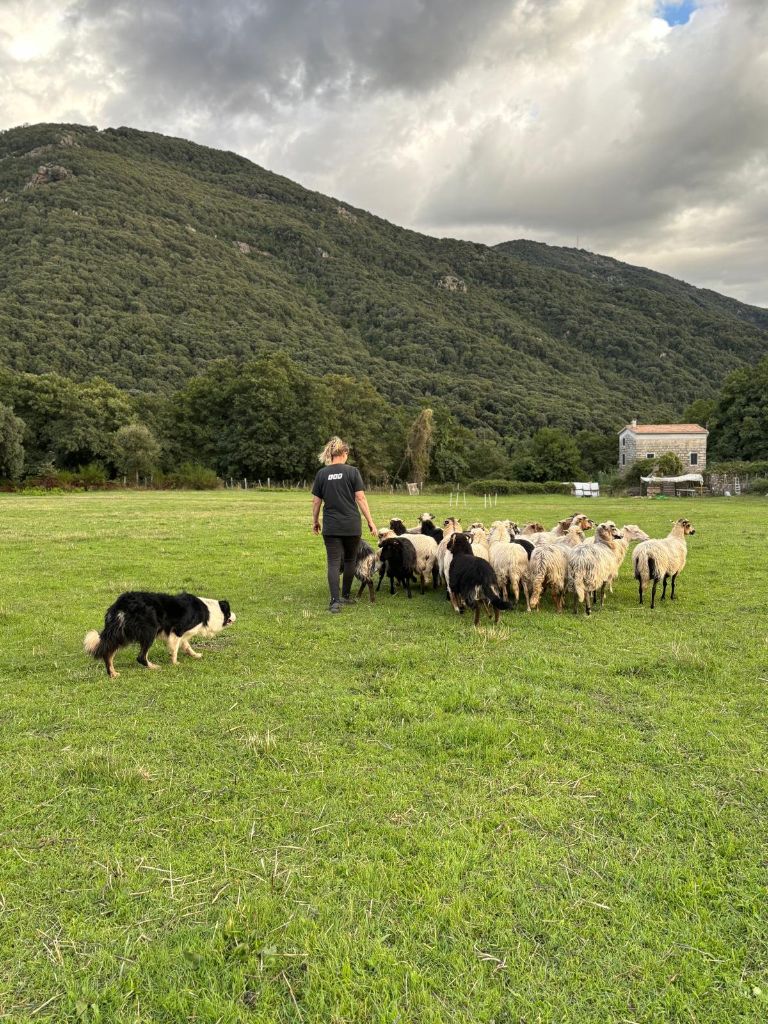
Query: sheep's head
point(608, 532)
point(513, 528)
point(534, 527)
point(427, 517)
point(478, 532)
point(632, 532)
point(686, 525)
point(476, 526)
point(584, 522)
point(459, 544)
point(451, 525)
point(397, 526)
point(385, 534)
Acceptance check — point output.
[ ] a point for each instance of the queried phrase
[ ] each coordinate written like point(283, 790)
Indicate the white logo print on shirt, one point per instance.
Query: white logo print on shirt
point(335, 476)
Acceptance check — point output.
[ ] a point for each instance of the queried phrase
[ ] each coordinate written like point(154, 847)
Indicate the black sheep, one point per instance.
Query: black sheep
point(429, 528)
point(398, 560)
point(472, 581)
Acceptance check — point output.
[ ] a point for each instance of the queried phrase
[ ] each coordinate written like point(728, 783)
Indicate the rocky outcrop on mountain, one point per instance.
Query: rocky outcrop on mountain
point(452, 283)
point(46, 174)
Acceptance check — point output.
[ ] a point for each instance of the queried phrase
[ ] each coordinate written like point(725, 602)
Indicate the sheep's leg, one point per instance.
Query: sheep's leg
point(408, 587)
point(653, 592)
point(664, 586)
point(515, 590)
point(602, 596)
point(527, 599)
point(559, 599)
point(422, 588)
point(640, 588)
point(381, 580)
point(672, 595)
point(587, 602)
point(392, 585)
point(435, 577)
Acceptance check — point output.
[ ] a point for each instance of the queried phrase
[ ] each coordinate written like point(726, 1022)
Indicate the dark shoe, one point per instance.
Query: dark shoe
point(348, 600)
point(335, 607)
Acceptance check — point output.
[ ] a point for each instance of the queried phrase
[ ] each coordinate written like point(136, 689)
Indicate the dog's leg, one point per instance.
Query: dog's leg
point(109, 661)
point(188, 650)
point(146, 642)
point(477, 615)
point(173, 647)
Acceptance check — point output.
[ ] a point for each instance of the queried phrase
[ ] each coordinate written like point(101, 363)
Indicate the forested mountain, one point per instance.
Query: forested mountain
point(139, 259)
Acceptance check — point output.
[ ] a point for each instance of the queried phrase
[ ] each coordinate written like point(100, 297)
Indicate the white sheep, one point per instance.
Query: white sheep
point(548, 567)
point(509, 560)
point(662, 559)
point(560, 530)
point(478, 538)
point(591, 566)
point(450, 525)
point(629, 532)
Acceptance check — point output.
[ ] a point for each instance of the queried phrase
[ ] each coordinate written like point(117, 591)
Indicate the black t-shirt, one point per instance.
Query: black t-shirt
point(336, 486)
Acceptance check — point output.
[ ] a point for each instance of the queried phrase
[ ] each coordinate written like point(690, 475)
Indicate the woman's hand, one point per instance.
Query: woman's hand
point(372, 528)
point(315, 527)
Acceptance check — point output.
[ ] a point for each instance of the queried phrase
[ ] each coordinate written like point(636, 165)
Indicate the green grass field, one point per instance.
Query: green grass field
point(382, 816)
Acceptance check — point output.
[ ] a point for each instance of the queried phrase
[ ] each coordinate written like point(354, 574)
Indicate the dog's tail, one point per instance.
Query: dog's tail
point(92, 643)
point(111, 638)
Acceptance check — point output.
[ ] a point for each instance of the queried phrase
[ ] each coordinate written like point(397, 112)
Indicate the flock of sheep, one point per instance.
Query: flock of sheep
point(487, 568)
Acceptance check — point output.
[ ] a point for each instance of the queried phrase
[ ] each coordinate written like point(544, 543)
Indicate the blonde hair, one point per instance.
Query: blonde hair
point(334, 447)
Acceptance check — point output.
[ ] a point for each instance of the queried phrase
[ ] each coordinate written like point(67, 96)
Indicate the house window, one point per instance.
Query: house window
point(650, 455)
point(623, 441)
point(623, 459)
point(694, 458)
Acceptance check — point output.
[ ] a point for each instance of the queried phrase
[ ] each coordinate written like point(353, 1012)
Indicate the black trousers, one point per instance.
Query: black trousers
point(340, 549)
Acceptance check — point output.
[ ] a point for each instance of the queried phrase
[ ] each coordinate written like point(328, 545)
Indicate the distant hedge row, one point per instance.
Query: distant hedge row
point(518, 487)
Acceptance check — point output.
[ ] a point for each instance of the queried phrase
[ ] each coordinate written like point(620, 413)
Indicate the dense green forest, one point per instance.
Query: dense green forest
point(140, 274)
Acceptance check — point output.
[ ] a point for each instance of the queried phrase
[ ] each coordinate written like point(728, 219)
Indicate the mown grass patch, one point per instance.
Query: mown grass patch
point(384, 815)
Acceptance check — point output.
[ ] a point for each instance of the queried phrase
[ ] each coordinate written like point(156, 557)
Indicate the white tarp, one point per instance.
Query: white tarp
point(686, 478)
point(585, 490)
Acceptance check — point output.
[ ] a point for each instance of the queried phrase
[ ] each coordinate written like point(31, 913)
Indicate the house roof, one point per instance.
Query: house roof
point(665, 428)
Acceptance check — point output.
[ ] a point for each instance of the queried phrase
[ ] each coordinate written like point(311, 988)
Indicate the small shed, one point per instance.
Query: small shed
point(684, 486)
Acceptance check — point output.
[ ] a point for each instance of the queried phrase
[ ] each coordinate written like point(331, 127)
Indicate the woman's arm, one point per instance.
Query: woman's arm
point(316, 503)
point(362, 502)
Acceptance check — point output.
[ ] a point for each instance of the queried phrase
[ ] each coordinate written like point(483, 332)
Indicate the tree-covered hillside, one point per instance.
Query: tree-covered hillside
point(139, 259)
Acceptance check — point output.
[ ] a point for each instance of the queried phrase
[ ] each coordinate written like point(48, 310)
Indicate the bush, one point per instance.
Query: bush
point(518, 487)
point(192, 477)
point(759, 485)
point(739, 468)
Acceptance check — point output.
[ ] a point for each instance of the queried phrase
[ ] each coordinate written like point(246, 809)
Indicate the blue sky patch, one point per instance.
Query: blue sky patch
point(676, 12)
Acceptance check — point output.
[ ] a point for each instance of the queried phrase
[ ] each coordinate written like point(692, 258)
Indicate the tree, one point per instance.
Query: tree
point(597, 452)
point(135, 450)
point(700, 411)
point(551, 455)
point(11, 443)
point(419, 445)
point(263, 418)
point(668, 464)
point(374, 430)
point(739, 423)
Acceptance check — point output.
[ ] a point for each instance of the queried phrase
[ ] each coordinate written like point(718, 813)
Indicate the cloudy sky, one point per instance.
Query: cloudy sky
point(637, 128)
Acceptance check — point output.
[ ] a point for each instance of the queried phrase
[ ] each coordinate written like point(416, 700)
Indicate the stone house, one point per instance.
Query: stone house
point(688, 441)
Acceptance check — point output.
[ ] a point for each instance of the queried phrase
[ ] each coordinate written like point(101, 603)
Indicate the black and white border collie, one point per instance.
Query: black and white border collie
point(140, 617)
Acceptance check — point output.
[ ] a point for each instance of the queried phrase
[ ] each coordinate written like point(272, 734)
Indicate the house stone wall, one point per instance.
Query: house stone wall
point(635, 447)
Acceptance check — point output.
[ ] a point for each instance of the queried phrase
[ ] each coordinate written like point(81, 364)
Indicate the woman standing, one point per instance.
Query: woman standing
point(339, 489)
